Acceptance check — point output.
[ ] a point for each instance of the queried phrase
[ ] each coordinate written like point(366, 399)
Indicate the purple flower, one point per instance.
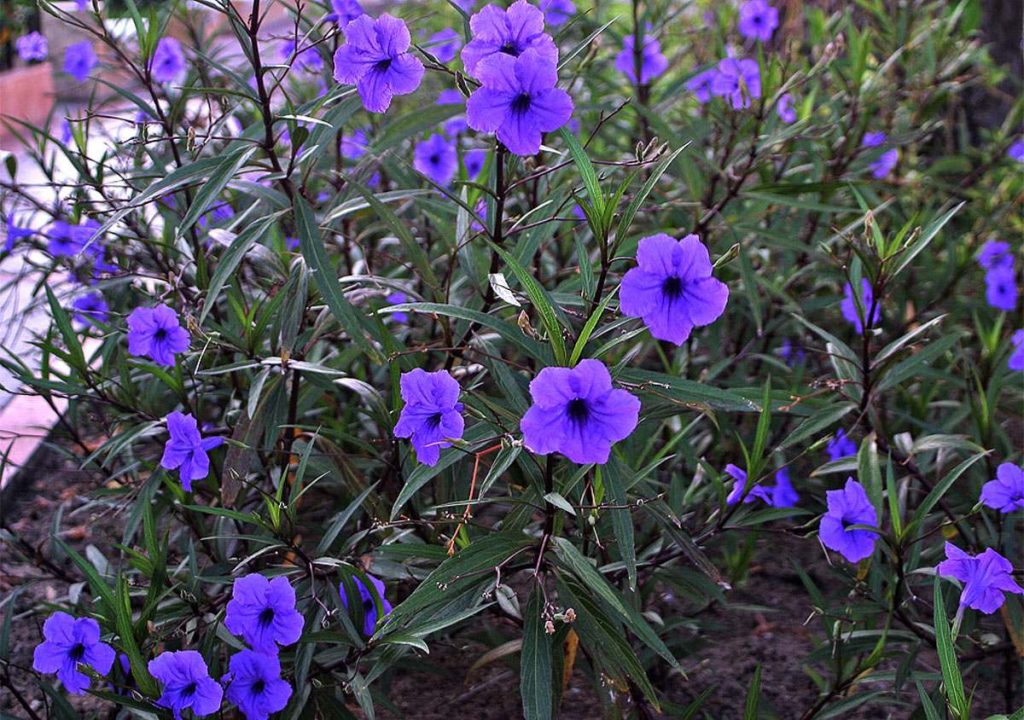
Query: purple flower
point(1006, 492)
point(185, 683)
point(985, 577)
point(79, 60)
point(840, 446)
point(1016, 361)
point(436, 158)
point(557, 12)
point(466, 5)
point(345, 11)
point(353, 145)
point(518, 100)
point(68, 240)
point(444, 44)
point(263, 613)
point(81, 5)
point(792, 353)
point(68, 642)
point(457, 124)
point(218, 214)
point(255, 684)
point(701, 84)
point(168, 61)
point(995, 254)
point(758, 20)
point(868, 308)
point(474, 161)
point(367, 602)
point(156, 334)
point(847, 507)
point(510, 33)
point(884, 163)
point(32, 47)
point(652, 62)
point(577, 412)
point(432, 414)
point(739, 475)
point(873, 139)
point(307, 60)
point(785, 110)
point(15, 233)
point(292, 243)
point(784, 494)
point(737, 80)
point(376, 59)
point(1016, 151)
point(186, 450)
point(397, 298)
point(90, 308)
point(1001, 288)
point(672, 288)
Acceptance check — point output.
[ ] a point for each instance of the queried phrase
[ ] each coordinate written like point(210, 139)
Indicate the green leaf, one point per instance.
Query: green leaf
point(911, 251)
point(940, 489)
point(588, 329)
point(638, 200)
point(682, 391)
point(587, 173)
point(953, 683)
point(613, 476)
point(542, 301)
point(535, 662)
point(750, 707)
point(560, 502)
point(226, 169)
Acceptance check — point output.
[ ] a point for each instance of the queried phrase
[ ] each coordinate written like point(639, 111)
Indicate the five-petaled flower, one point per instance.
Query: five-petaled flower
point(376, 59)
point(758, 20)
point(168, 61)
point(432, 414)
point(32, 47)
point(672, 288)
point(263, 613)
point(79, 60)
point(652, 62)
point(436, 158)
point(1005, 493)
point(186, 450)
point(518, 100)
point(737, 80)
point(185, 683)
point(90, 308)
point(848, 507)
point(507, 33)
point(1001, 288)
point(67, 643)
point(986, 578)
point(995, 254)
point(577, 412)
point(867, 308)
point(156, 334)
point(255, 684)
point(367, 602)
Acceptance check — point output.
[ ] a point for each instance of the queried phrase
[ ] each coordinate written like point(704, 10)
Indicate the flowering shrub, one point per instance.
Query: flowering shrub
point(541, 322)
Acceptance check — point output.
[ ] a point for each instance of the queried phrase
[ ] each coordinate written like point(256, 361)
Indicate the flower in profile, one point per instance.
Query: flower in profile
point(995, 254)
point(255, 684)
point(156, 333)
point(873, 139)
point(185, 683)
point(344, 12)
point(262, 612)
point(985, 578)
point(1016, 151)
point(376, 59)
point(1006, 492)
point(672, 288)
point(840, 446)
point(1016, 361)
point(307, 60)
point(701, 83)
point(168, 61)
point(577, 412)
point(855, 313)
point(90, 308)
point(847, 507)
point(1001, 288)
point(397, 298)
point(758, 20)
point(739, 491)
point(218, 214)
point(793, 353)
point(67, 643)
point(15, 233)
point(32, 47)
point(557, 12)
point(444, 44)
point(507, 33)
point(367, 602)
point(652, 62)
point(784, 494)
point(474, 161)
point(785, 109)
point(518, 100)
point(884, 163)
point(79, 60)
point(457, 124)
point(432, 414)
point(353, 145)
point(436, 158)
point(186, 450)
point(737, 80)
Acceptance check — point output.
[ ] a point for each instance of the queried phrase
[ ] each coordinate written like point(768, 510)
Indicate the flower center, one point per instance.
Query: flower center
point(77, 652)
point(434, 421)
point(160, 334)
point(672, 287)
point(259, 686)
point(189, 689)
point(522, 103)
point(383, 65)
point(578, 410)
point(267, 616)
point(434, 159)
point(509, 48)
